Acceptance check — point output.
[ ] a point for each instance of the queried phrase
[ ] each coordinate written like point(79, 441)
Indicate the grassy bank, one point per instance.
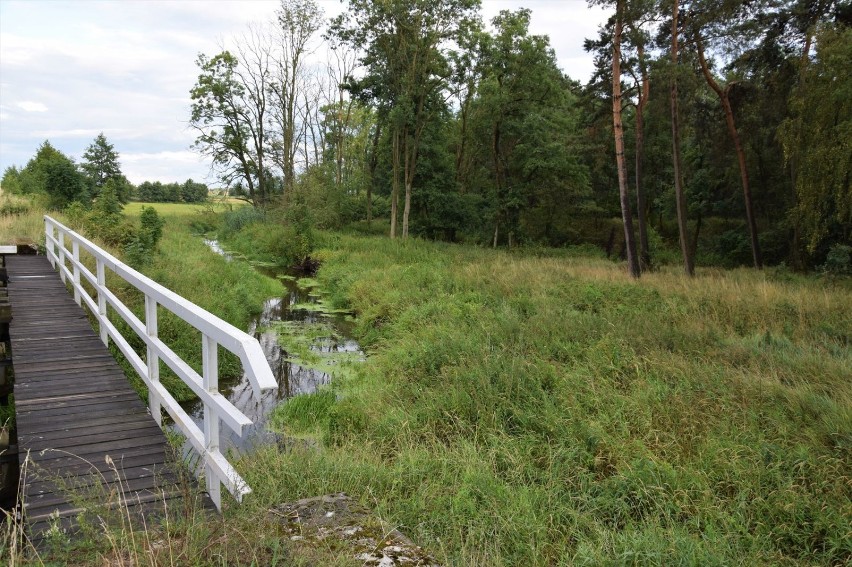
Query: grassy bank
point(21, 220)
point(184, 264)
point(520, 410)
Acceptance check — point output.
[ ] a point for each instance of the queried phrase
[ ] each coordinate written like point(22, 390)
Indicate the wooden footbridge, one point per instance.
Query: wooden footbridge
point(83, 432)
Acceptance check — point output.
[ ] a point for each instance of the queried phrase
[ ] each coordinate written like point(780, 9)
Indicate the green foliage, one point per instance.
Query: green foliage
point(499, 385)
point(100, 165)
point(63, 183)
point(816, 140)
point(317, 192)
point(223, 108)
point(142, 244)
point(407, 65)
point(347, 129)
point(11, 182)
point(106, 221)
point(49, 173)
point(237, 219)
point(523, 130)
point(193, 192)
point(107, 202)
point(156, 192)
point(54, 174)
point(284, 239)
point(839, 260)
point(152, 224)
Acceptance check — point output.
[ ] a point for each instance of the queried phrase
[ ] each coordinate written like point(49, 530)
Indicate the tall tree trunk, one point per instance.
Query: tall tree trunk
point(374, 161)
point(680, 199)
point(461, 150)
point(641, 201)
point(395, 186)
point(724, 98)
point(339, 141)
point(498, 176)
point(626, 215)
point(408, 178)
point(406, 210)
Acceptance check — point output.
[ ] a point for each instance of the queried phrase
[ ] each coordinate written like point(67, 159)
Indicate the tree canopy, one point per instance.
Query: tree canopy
point(716, 131)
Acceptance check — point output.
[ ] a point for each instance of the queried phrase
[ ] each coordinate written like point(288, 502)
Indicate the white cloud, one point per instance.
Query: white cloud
point(74, 69)
point(165, 166)
point(30, 106)
point(73, 133)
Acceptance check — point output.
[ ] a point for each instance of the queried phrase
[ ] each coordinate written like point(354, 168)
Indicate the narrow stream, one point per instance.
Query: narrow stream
point(305, 343)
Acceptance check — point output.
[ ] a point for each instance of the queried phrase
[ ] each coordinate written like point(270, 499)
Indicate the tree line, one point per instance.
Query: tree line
point(468, 132)
point(61, 182)
point(717, 129)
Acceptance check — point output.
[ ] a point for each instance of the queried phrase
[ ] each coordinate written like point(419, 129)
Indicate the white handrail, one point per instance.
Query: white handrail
point(214, 333)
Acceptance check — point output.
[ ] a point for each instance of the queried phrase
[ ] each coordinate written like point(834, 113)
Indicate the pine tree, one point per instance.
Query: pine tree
point(100, 164)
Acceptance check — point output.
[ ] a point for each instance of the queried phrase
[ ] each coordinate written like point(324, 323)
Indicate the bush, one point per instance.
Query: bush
point(838, 262)
point(152, 224)
point(11, 208)
point(234, 221)
point(207, 220)
point(112, 229)
point(281, 244)
point(142, 243)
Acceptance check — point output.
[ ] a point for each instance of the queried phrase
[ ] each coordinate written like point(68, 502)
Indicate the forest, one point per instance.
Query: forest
point(711, 132)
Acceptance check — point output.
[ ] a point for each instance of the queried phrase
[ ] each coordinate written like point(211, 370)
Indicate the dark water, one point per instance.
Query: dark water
point(293, 379)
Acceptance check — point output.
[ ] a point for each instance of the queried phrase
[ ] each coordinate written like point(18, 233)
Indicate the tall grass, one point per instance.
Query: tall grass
point(520, 410)
point(21, 220)
point(175, 531)
point(540, 408)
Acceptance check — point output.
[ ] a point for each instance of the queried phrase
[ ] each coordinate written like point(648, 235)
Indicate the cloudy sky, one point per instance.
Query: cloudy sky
point(69, 70)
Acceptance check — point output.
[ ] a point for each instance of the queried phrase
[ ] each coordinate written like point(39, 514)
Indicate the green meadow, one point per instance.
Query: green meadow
point(524, 409)
point(539, 407)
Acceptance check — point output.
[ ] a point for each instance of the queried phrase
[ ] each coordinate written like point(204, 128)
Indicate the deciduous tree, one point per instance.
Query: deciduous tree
point(405, 45)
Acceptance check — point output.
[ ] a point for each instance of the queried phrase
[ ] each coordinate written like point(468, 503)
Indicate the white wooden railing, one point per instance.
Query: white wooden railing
point(214, 333)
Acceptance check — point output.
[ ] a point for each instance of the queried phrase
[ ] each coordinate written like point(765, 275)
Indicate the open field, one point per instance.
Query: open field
point(183, 209)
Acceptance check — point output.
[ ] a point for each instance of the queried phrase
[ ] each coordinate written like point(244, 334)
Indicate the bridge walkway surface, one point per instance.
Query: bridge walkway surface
point(87, 443)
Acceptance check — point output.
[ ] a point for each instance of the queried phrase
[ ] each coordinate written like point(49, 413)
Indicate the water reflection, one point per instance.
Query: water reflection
point(293, 379)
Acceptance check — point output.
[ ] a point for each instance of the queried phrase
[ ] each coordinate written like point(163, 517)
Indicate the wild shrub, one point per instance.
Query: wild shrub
point(838, 262)
point(207, 220)
point(235, 220)
point(11, 207)
point(151, 225)
point(143, 242)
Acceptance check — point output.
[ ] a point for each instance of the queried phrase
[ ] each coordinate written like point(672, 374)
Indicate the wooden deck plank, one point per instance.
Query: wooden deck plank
point(75, 408)
point(63, 458)
point(72, 421)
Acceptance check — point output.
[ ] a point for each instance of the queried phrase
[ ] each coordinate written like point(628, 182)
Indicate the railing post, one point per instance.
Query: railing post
point(48, 244)
point(210, 382)
point(75, 254)
point(102, 305)
point(61, 253)
point(153, 359)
